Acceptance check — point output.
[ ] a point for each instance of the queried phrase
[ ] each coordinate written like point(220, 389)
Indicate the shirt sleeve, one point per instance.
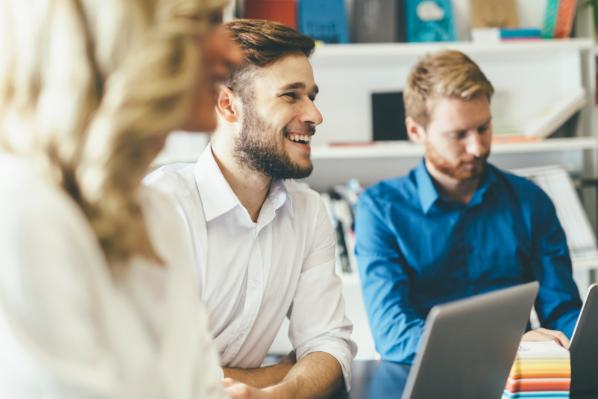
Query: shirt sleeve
point(49, 340)
point(396, 325)
point(317, 317)
point(558, 302)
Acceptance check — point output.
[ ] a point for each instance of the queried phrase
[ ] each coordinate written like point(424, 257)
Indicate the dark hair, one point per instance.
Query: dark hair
point(264, 42)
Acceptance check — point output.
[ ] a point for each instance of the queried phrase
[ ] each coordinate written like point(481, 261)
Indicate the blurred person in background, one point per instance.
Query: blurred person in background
point(97, 294)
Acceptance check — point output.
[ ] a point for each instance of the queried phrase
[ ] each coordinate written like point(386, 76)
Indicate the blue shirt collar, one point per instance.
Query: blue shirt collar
point(428, 194)
point(425, 187)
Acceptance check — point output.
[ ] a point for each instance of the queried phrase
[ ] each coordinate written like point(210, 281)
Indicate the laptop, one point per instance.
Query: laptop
point(468, 346)
point(584, 347)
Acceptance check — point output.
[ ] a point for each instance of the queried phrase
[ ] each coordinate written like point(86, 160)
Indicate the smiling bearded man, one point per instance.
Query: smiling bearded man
point(264, 247)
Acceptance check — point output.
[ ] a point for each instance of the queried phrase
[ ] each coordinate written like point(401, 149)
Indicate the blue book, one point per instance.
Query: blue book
point(520, 33)
point(429, 21)
point(324, 20)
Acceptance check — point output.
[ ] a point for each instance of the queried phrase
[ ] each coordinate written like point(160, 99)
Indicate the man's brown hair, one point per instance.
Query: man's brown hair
point(447, 73)
point(263, 43)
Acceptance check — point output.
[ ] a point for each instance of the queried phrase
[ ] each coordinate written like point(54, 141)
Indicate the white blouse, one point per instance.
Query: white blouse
point(70, 329)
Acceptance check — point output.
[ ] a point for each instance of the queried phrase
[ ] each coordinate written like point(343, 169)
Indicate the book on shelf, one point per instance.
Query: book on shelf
point(323, 20)
point(497, 35)
point(283, 11)
point(430, 21)
point(564, 19)
point(493, 14)
point(550, 14)
point(378, 21)
point(558, 18)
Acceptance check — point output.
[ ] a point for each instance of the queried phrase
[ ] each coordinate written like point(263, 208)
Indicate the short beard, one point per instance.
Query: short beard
point(454, 170)
point(262, 152)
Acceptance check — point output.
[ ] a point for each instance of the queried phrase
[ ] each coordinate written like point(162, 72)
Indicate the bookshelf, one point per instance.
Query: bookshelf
point(349, 74)
point(369, 52)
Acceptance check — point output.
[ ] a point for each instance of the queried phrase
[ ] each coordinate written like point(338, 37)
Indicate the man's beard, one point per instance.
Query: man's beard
point(263, 152)
point(455, 170)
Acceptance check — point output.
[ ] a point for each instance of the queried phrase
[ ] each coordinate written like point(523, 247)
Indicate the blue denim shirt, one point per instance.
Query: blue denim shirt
point(416, 249)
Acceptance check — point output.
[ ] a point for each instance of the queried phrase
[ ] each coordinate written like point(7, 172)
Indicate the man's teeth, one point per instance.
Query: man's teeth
point(300, 138)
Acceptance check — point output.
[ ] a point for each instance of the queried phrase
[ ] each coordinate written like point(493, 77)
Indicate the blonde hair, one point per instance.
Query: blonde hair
point(90, 89)
point(447, 73)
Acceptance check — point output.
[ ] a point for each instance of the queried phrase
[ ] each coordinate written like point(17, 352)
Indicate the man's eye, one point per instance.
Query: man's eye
point(291, 95)
point(483, 129)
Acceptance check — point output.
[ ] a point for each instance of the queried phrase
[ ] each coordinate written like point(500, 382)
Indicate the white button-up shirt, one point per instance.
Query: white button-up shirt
point(252, 275)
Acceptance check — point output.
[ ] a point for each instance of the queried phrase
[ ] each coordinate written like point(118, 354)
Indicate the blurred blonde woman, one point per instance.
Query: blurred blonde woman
point(97, 296)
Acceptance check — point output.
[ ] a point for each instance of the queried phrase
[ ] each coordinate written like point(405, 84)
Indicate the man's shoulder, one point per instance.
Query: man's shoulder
point(300, 190)
point(172, 178)
point(304, 199)
point(525, 188)
point(392, 190)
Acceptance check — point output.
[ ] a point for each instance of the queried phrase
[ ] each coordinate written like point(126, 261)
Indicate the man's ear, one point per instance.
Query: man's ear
point(415, 131)
point(225, 105)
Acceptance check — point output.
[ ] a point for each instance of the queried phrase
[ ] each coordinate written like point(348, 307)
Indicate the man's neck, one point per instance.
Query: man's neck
point(250, 187)
point(453, 189)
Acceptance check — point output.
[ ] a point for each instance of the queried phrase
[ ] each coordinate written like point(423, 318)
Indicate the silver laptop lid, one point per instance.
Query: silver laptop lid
point(468, 346)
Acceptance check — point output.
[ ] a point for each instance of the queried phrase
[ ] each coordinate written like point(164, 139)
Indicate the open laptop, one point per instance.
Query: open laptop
point(584, 347)
point(468, 346)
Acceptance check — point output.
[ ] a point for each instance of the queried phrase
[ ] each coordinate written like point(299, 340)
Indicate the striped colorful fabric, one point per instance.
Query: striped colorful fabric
point(540, 370)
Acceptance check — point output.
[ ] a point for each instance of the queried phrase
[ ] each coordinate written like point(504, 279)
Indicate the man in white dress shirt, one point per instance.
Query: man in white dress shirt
point(264, 247)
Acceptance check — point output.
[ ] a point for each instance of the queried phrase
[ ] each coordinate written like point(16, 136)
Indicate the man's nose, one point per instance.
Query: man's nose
point(311, 114)
point(475, 145)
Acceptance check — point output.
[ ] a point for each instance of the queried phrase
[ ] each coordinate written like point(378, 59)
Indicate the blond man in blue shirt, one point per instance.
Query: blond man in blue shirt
point(456, 225)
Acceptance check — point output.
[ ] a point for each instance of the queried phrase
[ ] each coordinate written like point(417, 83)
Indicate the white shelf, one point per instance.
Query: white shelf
point(408, 149)
point(554, 114)
point(337, 52)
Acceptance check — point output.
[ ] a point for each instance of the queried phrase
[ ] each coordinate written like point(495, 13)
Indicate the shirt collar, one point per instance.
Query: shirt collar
point(428, 194)
point(425, 187)
point(218, 197)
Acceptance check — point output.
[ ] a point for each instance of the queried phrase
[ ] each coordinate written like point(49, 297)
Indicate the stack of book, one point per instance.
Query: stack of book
point(540, 370)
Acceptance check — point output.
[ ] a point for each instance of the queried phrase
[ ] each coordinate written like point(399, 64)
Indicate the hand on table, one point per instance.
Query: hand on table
point(543, 334)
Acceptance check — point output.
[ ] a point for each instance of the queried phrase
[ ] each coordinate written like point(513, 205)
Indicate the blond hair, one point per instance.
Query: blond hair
point(447, 73)
point(90, 89)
